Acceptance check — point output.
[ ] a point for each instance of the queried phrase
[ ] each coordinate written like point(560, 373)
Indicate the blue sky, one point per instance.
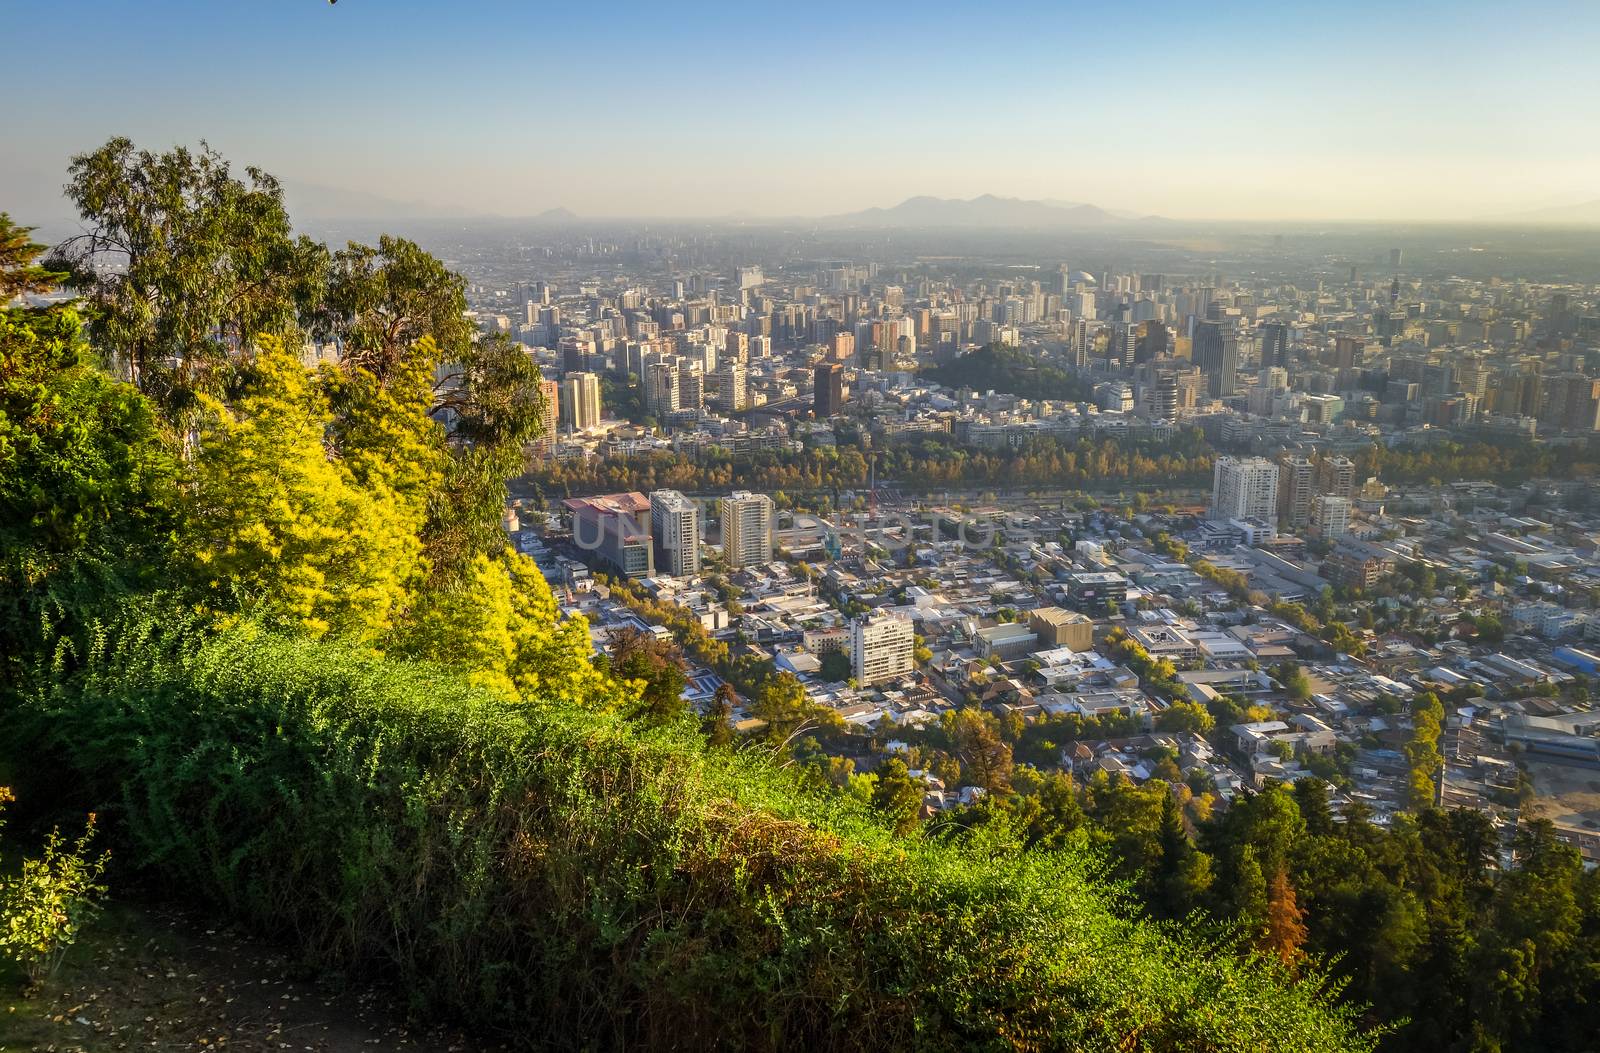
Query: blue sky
point(1423, 110)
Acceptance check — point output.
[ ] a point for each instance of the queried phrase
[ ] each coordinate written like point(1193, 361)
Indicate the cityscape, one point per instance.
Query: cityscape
point(1026, 600)
point(839, 528)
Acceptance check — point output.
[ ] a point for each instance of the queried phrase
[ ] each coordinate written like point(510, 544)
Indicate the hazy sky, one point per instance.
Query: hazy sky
point(1272, 109)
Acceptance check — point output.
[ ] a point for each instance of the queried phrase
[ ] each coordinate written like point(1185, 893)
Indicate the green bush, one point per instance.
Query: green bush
point(573, 881)
point(49, 900)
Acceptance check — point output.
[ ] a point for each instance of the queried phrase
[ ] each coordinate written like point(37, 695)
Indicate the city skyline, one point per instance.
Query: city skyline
point(1250, 113)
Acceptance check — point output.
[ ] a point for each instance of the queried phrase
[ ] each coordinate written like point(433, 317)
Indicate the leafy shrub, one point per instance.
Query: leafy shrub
point(46, 905)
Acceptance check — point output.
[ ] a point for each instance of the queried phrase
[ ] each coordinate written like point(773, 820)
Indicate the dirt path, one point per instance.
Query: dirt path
point(157, 980)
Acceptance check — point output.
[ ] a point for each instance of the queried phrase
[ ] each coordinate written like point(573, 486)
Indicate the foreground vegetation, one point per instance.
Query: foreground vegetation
point(545, 868)
point(260, 617)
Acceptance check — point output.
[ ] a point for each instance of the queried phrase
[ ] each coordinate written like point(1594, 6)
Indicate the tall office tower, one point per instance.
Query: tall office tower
point(1296, 489)
point(1244, 488)
point(1274, 345)
point(549, 415)
point(1207, 349)
point(1063, 280)
point(580, 401)
point(1396, 257)
point(661, 389)
point(882, 647)
point(747, 523)
point(1164, 406)
point(1472, 377)
point(1228, 378)
point(1216, 352)
point(1124, 346)
point(675, 530)
point(691, 385)
point(1080, 343)
point(737, 347)
point(829, 395)
point(843, 346)
point(1349, 352)
point(1336, 476)
point(732, 388)
point(1330, 516)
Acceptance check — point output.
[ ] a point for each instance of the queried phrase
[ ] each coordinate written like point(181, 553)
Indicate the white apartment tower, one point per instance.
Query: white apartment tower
point(732, 388)
point(661, 397)
point(1330, 516)
point(1244, 488)
point(747, 522)
point(675, 530)
point(882, 647)
point(580, 401)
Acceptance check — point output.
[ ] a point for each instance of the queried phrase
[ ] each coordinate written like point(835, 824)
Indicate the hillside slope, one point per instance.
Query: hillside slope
point(560, 878)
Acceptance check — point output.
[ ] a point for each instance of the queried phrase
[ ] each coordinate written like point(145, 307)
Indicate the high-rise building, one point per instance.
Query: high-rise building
point(1216, 352)
point(1207, 347)
point(580, 401)
point(1296, 488)
point(675, 529)
point(1244, 488)
point(829, 395)
point(1164, 404)
point(1349, 352)
point(1274, 344)
point(732, 388)
point(1336, 476)
point(1570, 401)
point(1330, 516)
point(691, 385)
point(882, 647)
point(549, 414)
point(747, 527)
point(661, 389)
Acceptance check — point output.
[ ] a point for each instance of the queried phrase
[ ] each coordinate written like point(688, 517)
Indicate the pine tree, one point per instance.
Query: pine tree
point(1285, 929)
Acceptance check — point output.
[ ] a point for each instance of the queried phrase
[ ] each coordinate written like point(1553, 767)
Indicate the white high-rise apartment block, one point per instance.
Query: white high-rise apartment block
point(580, 401)
point(1330, 515)
point(1244, 488)
point(747, 522)
point(882, 647)
point(675, 530)
point(661, 396)
point(732, 390)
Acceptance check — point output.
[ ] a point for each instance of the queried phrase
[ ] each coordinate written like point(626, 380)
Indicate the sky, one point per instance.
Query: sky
point(1252, 110)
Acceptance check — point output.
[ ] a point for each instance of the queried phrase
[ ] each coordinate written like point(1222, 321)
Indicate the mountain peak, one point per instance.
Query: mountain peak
point(985, 210)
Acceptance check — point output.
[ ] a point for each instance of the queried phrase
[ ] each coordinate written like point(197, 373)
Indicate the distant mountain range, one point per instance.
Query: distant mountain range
point(984, 211)
point(317, 203)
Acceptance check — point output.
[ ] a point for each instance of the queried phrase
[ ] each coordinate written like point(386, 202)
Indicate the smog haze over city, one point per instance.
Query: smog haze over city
point(833, 526)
